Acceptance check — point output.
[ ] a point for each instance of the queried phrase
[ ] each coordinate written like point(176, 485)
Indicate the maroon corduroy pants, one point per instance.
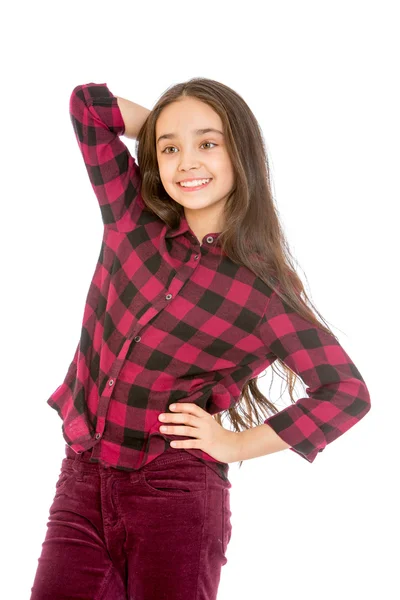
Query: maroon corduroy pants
point(158, 533)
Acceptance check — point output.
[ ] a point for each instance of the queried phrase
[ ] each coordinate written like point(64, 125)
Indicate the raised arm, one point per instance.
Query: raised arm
point(133, 115)
point(98, 123)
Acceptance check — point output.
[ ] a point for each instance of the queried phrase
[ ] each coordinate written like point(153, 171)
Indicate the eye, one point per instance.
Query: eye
point(209, 143)
point(165, 149)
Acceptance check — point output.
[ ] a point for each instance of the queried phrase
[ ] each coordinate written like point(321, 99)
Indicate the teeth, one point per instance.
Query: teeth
point(193, 183)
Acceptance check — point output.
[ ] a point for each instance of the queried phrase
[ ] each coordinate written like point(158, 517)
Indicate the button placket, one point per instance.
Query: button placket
point(110, 383)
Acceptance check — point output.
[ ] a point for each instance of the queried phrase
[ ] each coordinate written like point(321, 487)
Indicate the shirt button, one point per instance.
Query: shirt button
point(137, 338)
point(210, 239)
point(196, 257)
point(168, 296)
point(111, 381)
point(97, 436)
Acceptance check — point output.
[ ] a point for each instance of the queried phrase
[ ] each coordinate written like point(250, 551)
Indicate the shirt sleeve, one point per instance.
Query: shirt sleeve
point(113, 172)
point(337, 395)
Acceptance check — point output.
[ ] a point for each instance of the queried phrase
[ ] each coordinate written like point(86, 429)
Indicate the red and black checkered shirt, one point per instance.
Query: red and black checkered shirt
point(170, 319)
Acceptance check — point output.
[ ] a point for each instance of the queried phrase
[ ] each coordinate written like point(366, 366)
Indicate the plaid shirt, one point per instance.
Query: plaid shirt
point(170, 319)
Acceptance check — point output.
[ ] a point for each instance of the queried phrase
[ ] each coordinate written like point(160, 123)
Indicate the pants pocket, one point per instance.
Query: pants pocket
point(183, 478)
point(62, 481)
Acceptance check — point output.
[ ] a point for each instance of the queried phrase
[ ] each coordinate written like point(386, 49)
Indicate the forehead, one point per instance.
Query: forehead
point(187, 113)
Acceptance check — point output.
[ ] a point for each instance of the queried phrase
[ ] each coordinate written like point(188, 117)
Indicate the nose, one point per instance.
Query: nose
point(188, 161)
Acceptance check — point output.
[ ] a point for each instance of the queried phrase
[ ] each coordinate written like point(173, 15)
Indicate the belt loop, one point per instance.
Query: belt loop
point(77, 460)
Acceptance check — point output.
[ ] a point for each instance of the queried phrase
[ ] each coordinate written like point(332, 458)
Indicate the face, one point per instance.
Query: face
point(188, 154)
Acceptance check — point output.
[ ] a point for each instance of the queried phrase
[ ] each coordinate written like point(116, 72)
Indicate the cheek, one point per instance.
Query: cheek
point(166, 175)
point(224, 170)
point(223, 164)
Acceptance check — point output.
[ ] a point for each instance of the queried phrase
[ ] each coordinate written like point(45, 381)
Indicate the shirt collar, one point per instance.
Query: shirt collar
point(183, 228)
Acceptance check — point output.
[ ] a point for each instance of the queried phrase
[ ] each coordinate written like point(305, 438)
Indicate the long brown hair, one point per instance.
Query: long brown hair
point(252, 234)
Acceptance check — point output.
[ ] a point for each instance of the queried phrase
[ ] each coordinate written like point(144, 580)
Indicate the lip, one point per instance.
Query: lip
point(194, 188)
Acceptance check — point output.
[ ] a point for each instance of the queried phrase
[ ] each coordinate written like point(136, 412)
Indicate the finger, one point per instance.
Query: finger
point(186, 444)
point(184, 418)
point(188, 407)
point(179, 430)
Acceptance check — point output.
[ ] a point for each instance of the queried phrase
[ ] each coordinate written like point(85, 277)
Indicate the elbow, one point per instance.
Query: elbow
point(74, 98)
point(366, 397)
point(362, 402)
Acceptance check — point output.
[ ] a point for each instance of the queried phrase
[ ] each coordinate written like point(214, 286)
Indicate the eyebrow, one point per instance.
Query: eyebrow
point(168, 136)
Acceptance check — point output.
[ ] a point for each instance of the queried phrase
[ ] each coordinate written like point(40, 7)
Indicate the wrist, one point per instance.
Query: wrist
point(257, 441)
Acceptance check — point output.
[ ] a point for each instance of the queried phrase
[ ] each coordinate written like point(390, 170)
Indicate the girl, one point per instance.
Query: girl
point(194, 295)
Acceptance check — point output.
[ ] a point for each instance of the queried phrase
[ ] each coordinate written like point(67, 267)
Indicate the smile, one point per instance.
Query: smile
point(192, 186)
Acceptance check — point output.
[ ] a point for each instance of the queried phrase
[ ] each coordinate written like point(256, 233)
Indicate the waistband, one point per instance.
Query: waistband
point(83, 459)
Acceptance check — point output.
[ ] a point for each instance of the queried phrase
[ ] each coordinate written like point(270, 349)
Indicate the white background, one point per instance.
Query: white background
point(321, 78)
